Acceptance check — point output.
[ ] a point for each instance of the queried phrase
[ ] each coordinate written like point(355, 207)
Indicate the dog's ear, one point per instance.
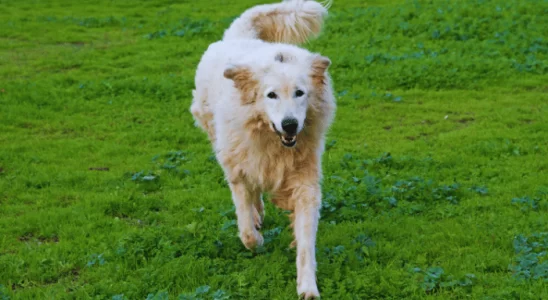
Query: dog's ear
point(232, 71)
point(319, 66)
point(245, 81)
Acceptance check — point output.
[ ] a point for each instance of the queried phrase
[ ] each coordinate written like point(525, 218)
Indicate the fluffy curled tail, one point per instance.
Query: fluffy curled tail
point(291, 22)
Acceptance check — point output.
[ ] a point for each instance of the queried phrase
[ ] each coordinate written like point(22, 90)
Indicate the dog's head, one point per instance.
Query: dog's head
point(284, 88)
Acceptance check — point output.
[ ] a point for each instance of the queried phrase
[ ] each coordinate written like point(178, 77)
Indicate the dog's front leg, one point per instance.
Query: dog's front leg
point(307, 213)
point(244, 199)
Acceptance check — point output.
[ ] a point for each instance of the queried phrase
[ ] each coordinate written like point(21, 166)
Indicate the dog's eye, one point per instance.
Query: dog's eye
point(299, 93)
point(272, 95)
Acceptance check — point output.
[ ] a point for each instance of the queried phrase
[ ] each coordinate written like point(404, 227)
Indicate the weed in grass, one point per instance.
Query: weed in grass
point(531, 261)
point(336, 254)
point(435, 278)
point(355, 191)
point(186, 27)
point(271, 234)
point(158, 296)
point(205, 292)
point(537, 203)
point(362, 243)
point(526, 203)
point(172, 161)
point(96, 259)
point(481, 190)
point(450, 193)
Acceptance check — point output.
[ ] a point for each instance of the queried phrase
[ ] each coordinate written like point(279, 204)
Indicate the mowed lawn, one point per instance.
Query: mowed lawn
point(435, 187)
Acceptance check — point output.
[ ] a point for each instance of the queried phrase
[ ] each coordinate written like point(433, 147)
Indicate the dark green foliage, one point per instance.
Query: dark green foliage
point(186, 28)
point(354, 191)
point(435, 279)
point(531, 261)
point(205, 292)
point(526, 203)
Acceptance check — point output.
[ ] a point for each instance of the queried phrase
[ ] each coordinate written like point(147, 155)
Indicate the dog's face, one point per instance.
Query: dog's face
point(284, 89)
point(285, 97)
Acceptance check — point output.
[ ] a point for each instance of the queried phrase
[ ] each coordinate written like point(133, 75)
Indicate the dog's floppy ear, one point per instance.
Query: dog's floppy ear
point(318, 68)
point(232, 71)
point(244, 80)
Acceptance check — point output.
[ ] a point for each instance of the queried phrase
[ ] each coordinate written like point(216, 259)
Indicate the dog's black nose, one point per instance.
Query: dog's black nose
point(290, 126)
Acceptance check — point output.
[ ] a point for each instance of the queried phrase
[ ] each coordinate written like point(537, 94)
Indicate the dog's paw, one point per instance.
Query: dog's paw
point(308, 291)
point(309, 295)
point(251, 239)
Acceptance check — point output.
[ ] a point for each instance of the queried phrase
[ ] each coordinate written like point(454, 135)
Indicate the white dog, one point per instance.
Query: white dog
point(266, 105)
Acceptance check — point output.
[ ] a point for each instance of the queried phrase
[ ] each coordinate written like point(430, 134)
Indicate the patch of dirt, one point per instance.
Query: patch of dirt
point(413, 138)
point(26, 237)
point(7, 252)
point(76, 43)
point(67, 131)
point(67, 200)
point(26, 125)
point(53, 239)
point(50, 281)
point(41, 239)
point(99, 169)
point(73, 273)
point(466, 120)
point(69, 68)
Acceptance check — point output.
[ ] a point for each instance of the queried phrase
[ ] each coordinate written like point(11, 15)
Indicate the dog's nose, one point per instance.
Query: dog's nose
point(290, 125)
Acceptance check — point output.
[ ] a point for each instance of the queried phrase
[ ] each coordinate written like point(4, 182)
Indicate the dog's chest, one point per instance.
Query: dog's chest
point(261, 161)
point(268, 169)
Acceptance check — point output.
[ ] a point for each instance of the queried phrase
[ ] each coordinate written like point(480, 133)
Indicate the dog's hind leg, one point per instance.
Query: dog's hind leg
point(202, 114)
point(258, 212)
point(244, 199)
point(307, 213)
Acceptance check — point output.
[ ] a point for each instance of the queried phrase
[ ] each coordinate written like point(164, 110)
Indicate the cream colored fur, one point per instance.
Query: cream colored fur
point(293, 22)
point(232, 102)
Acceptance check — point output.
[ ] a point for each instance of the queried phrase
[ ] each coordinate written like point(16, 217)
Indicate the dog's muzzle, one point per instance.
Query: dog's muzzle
point(287, 140)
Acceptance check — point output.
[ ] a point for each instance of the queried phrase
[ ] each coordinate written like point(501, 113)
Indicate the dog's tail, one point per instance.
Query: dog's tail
point(291, 22)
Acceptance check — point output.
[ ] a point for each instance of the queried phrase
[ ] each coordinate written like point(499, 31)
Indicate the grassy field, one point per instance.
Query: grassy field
point(436, 182)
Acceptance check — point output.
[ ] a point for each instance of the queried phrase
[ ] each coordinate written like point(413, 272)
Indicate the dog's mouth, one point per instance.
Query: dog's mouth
point(288, 141)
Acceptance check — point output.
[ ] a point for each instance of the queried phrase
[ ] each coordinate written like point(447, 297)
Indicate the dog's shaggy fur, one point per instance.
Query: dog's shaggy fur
point(266, 105)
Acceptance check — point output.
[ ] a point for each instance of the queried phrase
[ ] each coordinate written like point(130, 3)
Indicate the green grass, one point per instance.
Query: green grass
point(436, 181)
